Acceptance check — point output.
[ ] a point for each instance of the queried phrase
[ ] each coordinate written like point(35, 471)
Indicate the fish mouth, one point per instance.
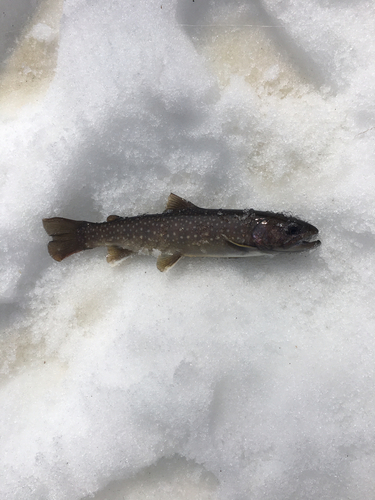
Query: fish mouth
point(304, 242)
point(304, 245)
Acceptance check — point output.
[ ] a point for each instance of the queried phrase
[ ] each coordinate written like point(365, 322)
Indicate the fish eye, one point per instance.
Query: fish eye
point(292, 228)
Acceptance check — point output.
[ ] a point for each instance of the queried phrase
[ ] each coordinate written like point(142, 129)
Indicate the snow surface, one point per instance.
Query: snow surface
point(222, 379)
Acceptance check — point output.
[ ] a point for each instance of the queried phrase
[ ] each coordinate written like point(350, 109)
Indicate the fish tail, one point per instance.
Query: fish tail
point(67, 239)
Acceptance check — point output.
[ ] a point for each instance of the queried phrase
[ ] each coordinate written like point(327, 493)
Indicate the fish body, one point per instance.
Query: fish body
point(183, 230)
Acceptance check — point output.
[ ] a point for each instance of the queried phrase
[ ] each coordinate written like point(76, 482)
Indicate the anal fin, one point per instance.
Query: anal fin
point(110, 218)
point(116, 254)
point(166, 261)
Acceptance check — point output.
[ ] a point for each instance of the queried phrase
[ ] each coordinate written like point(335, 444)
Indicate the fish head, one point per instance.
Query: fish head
point(281, 233)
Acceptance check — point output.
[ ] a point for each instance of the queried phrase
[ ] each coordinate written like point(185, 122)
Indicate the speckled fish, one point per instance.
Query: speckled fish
point(183, 230)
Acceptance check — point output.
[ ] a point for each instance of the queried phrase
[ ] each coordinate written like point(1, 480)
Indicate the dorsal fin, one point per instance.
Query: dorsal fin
point(177, 203)
point(110, 218)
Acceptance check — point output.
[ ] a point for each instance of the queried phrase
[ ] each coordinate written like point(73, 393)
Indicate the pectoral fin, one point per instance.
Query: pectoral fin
point(166, 261)
point(116, 254)
point(239, 246)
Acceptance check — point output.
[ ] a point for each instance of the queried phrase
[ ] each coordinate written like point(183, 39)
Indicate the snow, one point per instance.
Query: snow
point(221, 379)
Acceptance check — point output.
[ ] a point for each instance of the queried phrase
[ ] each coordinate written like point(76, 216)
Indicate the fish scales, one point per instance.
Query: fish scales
point(183, 230)
point(170, 232)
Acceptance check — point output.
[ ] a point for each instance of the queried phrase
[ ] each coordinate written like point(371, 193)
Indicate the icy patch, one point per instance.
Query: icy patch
point(169, 479)
point(42, 33)
point(30, 68)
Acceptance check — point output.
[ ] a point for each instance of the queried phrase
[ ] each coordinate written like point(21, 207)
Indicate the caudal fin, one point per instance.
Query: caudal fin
point(66, 237)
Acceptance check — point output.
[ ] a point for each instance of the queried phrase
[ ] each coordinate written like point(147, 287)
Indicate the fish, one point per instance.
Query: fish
point(183, 230)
